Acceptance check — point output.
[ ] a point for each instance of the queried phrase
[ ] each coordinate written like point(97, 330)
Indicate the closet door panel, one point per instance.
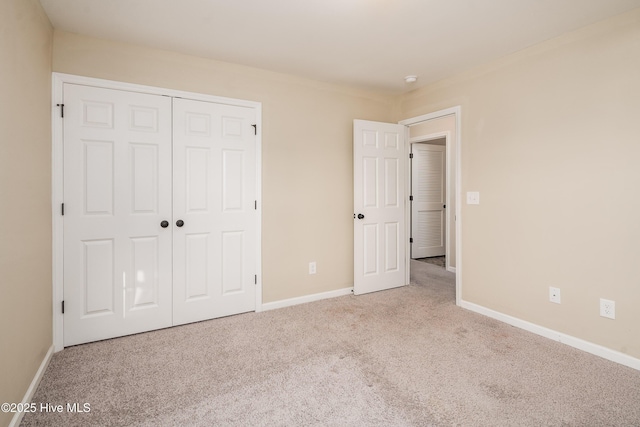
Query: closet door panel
point(214, 195)
point(117, 191)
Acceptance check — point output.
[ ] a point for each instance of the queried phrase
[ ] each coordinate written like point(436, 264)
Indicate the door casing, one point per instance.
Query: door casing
point(58, 80)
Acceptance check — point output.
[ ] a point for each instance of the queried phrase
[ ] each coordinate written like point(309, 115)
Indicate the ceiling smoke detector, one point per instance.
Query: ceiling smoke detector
point(411, 79)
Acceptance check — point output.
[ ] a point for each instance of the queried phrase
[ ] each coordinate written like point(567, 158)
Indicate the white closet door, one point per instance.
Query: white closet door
point(117, 191)
point(429, 197)
point(379, 196)
point(214, 159)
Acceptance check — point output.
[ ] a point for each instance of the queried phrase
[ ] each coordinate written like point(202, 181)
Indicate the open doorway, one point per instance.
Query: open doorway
point(428, 200)
point(441, 128)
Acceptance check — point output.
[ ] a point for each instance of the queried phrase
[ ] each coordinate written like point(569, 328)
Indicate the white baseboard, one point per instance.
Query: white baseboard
point(307, 298)
point(451, 269)
point(580, 344)
point(17, 417)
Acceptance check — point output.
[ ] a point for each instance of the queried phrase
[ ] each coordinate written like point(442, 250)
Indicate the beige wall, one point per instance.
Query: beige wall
point(307, 151)
point(430, 127)
point(25, 195)
point(551, 140)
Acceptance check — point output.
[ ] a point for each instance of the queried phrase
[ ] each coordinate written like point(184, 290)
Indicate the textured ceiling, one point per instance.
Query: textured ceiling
point(367, 43)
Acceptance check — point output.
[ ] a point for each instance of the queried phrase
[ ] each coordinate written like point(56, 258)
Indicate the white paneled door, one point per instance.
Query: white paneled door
point(379, 197)
point(117, 256)
point(428, 206)
point(214, 210)
point(159, 212)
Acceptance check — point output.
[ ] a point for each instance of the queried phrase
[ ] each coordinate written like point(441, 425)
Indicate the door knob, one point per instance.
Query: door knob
point(179, 223)
point(360, 216)
point(164, 224)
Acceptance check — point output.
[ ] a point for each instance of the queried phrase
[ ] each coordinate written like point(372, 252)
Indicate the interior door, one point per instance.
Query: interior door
point(117, 192)
point(215, 217)
point(379, 203)
point(428, 188)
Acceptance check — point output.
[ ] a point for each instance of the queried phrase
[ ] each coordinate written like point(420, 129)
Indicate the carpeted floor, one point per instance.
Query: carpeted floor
point(404, 357)
point(435, 260)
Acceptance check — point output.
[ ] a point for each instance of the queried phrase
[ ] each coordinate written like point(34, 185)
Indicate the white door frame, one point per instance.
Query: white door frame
point(57, 188)
point(425, 139)
point(457, 113)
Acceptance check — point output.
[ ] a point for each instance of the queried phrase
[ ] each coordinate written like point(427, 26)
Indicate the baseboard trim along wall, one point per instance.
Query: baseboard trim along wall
point(17, 417)
point(580, 344)
point(307, 298)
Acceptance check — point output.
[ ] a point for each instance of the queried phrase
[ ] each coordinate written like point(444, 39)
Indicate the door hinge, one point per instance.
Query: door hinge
point(411, 198)
point(255, 204)
point(410, 239)
point(255, 281)
point(61, 109)
point(411, 155)
point(255, 129)
point(62, 306)
point(444, 206)
point(62, 209)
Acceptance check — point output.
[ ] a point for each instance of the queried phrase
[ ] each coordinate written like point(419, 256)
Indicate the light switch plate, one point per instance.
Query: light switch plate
point(473, 198)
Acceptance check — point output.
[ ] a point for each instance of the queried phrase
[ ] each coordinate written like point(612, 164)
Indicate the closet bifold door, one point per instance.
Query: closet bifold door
point(215, 221)
point(160, 222)
point(117, 193)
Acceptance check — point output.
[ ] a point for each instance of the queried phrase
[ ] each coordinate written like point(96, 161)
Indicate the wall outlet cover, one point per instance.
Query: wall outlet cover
point(607, 308)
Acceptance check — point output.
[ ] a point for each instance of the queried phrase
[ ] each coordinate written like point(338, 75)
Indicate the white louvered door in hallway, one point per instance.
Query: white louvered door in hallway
point(159, 224)
point(428, 172)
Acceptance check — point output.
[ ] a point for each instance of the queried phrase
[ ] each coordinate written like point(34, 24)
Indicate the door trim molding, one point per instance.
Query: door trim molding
point(57, 171)
point(457, 113)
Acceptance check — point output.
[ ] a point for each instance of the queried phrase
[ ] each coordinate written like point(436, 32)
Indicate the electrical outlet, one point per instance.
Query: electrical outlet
point(554, 294)
point(312, 267)
point(607, 308)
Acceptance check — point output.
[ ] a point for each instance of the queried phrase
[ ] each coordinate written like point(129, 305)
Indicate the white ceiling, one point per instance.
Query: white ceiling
point(367, 43)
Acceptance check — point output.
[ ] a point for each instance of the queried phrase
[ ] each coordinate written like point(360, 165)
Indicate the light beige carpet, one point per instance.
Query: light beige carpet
point(404, 357)
point(435, 260)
